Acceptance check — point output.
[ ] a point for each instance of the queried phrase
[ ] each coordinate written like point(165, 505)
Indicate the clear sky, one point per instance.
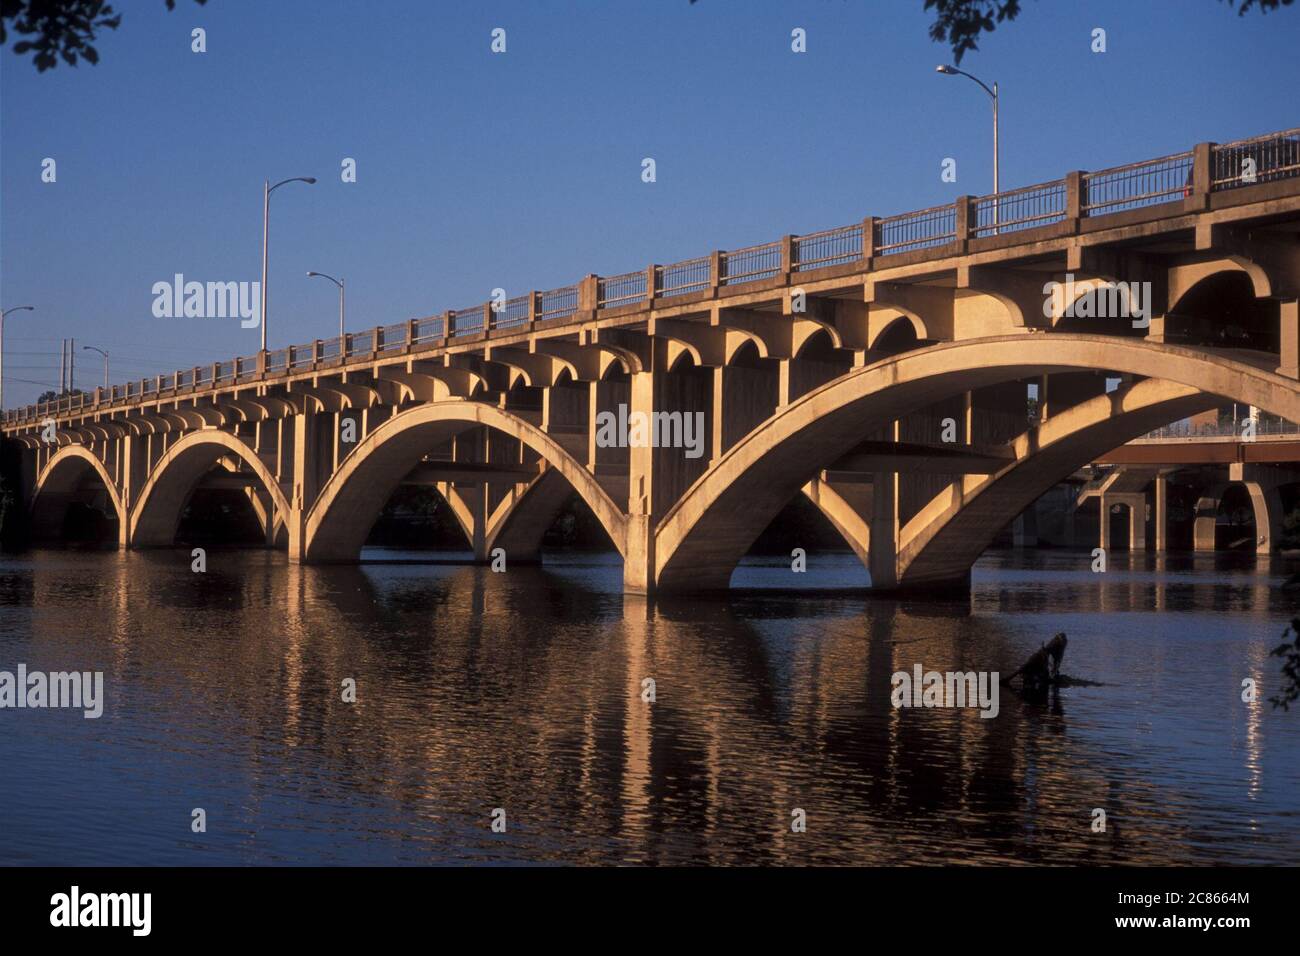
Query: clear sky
point(523, 170)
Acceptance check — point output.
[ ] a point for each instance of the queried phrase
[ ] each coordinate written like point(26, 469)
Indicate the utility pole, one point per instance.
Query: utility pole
point(63, 365)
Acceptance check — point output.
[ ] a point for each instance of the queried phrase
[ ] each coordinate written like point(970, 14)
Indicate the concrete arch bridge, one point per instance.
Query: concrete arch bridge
point(883, 370)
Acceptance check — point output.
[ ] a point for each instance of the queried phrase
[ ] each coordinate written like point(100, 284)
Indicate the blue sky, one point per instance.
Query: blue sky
point(523, 170)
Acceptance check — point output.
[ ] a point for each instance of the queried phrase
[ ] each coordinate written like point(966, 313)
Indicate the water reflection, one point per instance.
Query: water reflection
point(525, 691)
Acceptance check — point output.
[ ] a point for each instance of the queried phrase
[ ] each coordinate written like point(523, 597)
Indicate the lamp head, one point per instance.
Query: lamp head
point(946, 70)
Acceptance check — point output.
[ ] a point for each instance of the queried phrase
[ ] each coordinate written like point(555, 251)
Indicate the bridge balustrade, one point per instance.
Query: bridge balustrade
point(1272, 156)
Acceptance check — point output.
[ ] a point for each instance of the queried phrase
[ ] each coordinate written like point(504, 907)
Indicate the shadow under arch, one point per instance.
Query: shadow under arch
point(1225, 308)
point(59, 485)
point(337, 524)
point(949, 534)
point(155, 515)
point(702, 537)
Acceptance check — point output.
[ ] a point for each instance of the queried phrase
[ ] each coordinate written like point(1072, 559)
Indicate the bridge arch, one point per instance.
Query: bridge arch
point(337, 524)
point(1224, 307)
point(156, 512)
point(949, 534)
point(57, 485)
point(700, 540)
point(1265, 507)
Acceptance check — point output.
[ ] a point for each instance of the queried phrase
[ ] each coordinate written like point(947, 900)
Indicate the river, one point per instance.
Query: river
point(520, 697)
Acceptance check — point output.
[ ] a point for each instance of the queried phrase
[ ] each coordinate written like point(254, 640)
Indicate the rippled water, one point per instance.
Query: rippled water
point(523, 691)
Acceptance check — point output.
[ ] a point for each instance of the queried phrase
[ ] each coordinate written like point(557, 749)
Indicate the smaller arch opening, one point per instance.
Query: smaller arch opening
point(1221, 310)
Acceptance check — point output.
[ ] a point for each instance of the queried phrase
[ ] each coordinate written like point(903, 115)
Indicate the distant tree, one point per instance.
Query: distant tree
point(1290, 654)
point(960, 23)
point(60, 29)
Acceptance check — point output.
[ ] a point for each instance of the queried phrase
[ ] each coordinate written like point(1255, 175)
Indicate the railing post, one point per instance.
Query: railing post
point(216, 371)
point(375, 341)
point(261, 365)
point(869, 239)
point(534, 306)
point(448, 324)
point(963, 221)
point(412, 331)
point(1202, 177)
point(315, 352)
point(489, 317)
point(587, 293)
point(787, 257)
point(1074, 199)
point(651, 284)
point(716, 265)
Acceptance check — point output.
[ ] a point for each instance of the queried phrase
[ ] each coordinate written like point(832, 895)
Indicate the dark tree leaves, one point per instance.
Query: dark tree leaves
point(54, 30)
point(1290, 654)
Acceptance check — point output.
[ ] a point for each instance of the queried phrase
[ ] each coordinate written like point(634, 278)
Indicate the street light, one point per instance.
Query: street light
point(267, 189)
point(339, 283)
point(103, 353)
point(993, 94)
point(17, 308)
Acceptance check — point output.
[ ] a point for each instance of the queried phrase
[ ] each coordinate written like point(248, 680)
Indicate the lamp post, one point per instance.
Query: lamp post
point(339, 283)
point(993, 95)
point(17, 308)
point(267, 189)
point(103, 353)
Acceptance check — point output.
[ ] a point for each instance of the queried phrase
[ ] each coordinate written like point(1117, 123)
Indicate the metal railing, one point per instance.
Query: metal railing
point(936, 226)
point(428, 330)
point(750, 264)
point(613, 291)
point(831, 247)
point(393, 337)
point(1137, 184)
point(681, 278)
point(467, 321)
point(1265, 425)
point(1260, 159)
point(557, 303)
point(1018, 209)
point(516, 312)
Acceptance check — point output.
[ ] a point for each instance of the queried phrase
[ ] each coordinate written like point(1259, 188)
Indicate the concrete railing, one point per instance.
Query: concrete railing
point(1209, 167)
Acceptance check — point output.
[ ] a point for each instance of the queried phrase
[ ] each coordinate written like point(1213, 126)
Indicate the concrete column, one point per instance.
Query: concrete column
point(477, 497)
point(305, 480)
point(883, 549)
point(1207, 516)
point(1024, 531)
point(134, 456)
point(639, 561)
point(1104, 524)
point(1267, 506)
point(1290, 337)
point(1137, 523)
point(1161, 513)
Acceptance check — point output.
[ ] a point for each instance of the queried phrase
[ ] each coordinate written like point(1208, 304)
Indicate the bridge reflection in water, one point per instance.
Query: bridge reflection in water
point(524, 691)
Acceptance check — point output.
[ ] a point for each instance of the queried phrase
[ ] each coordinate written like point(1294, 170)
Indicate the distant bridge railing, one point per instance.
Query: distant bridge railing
point(1210, 167)
point(1231, 430)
